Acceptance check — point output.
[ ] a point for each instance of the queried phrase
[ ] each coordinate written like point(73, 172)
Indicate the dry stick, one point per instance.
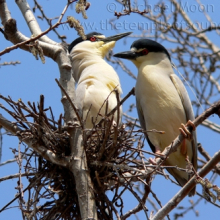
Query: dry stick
point(203, 152)
point(105, 102)
point(15, 106)
point(122, 65)
point(112, 206)
point(60, 124)
point(147, 152)
point(20, 185)
point(191, 207)
point(15, 176)
point(118, 107)
point(207, 157)
point(144, 208)
point(18, 45)
point(139, 206)
point(16, 197)
point(102, 148)
point(121, 102)
point(208, 200)
point(6, 162)
point(47, 154)
point(52, 116)
point(40, 120)
point(47, 19)
point(186, 189)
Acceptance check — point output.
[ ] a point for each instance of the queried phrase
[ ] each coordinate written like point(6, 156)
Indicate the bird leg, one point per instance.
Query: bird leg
point(183, 148)
point(187, 134)
point(184, 130)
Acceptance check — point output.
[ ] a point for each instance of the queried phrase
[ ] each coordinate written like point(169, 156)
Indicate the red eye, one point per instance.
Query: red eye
point(92, 39)
point(144, 52)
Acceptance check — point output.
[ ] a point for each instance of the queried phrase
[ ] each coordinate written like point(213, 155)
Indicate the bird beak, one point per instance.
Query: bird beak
point(129, 55)
point(115, 37)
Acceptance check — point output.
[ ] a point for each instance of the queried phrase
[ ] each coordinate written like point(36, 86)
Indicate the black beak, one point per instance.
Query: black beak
point(115, 37)
point(129, 55)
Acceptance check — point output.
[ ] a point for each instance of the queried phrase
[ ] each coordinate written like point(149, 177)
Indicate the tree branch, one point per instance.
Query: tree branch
point(186, 189)
point(47, 154)
point(32, 22)
point(15, 176)
point(78, 161)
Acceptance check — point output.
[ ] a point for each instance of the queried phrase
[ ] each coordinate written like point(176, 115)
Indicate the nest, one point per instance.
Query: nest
point(51, 192)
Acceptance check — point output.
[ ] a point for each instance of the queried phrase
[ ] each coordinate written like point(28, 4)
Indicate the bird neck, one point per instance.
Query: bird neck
point(156, 59)
point(82, 60)
point(155, 66)
point(92, 67)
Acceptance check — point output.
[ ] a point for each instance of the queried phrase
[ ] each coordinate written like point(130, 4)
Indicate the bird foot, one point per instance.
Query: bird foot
point(184, 130)
point(153, 160)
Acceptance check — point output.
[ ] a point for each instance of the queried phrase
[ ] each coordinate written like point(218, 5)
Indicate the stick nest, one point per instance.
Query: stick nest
point(51, 191)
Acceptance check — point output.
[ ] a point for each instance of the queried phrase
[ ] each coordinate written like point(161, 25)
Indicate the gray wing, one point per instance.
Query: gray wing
point(142, 122)
point(188, 111)
point(140, 114)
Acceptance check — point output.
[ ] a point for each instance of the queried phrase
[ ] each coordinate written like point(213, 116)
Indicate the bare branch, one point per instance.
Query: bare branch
point(16, 176)
point(47, 154)
point(8, 161)
point(32, 23)
point(186, 189)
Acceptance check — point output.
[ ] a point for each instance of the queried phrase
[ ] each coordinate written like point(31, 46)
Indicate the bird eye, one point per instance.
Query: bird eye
point(144, 52)
point(92, 39)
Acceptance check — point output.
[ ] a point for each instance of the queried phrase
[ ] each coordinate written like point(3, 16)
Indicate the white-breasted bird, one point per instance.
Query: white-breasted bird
point(96, 79)
point(162, 104)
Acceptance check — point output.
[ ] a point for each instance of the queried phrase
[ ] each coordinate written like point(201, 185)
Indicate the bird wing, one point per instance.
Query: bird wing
point(80, 95)
point(140, 114)
point(188, 111)
point(142, 122)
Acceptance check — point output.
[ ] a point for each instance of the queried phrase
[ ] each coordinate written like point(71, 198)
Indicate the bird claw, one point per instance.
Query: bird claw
point(184, 130)
point(153, 160)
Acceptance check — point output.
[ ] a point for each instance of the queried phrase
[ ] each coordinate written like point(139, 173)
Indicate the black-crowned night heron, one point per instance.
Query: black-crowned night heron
point(96, 79)
point(162, 104)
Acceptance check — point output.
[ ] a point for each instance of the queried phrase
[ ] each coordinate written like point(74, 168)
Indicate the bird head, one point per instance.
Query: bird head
point(95, 43)
point(143, 50)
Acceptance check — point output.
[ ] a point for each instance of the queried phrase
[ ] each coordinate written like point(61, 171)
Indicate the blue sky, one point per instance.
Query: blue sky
point(31, 78)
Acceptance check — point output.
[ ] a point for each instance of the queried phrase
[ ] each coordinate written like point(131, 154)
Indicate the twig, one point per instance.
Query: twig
point(18, 45)
point(15, 176)
point(8, 161)
point(16, 197)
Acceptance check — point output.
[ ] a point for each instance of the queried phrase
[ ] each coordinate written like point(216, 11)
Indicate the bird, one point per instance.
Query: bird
point(96, 79)
point(163, 104)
